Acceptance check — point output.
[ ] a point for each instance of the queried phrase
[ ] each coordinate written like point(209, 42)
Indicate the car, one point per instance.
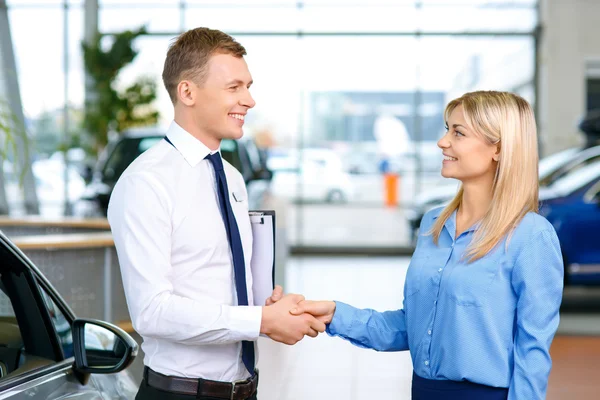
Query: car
point(572, 205)
point(118, 154)
point(550, 169)
point(45, 350)
point(310, 175)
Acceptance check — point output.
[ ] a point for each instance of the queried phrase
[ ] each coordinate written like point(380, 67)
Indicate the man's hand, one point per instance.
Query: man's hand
point(280, 325)
point(322, 310)
point(275, 297)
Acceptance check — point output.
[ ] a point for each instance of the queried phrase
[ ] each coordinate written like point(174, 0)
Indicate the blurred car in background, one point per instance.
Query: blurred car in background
point(310, 175)
point(551, 169)
point(572, 205)
point(112, 162)
point(118, 154)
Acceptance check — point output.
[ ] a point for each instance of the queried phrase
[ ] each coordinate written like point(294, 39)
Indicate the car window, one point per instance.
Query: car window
point(577, 162)
point(555, 161)
point(127, 150)
point(593, 195)
point(24, 342)
point(11, 342)
point(61, 325)
point(577, 179)
point(571, 168)
point(146, 143)
point(229, 151)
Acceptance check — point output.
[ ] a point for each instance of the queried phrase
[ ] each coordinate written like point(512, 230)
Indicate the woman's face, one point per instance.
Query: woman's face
point(467, 155)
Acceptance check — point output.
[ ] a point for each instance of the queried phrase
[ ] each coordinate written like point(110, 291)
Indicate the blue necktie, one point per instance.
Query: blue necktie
point(235, 242)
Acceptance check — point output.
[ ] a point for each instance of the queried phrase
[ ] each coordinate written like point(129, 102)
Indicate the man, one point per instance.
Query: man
point(179, 216)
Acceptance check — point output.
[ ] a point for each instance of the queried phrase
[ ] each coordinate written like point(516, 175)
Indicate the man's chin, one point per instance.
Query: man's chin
point(233, 135)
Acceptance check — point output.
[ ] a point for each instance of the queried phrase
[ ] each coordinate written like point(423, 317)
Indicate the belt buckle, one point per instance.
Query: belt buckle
point(233, 385)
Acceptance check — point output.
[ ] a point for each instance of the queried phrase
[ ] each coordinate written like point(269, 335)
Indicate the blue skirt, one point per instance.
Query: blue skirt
point(428, 389)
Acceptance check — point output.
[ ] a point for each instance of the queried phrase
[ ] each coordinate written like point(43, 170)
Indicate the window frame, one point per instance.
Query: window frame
point(34, 312)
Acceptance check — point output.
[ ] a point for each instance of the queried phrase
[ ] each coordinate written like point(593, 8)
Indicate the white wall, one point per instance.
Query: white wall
point(570, 36)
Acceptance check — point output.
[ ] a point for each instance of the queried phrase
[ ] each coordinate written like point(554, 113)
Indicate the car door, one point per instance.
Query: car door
point(583, 221)
point(32, 353)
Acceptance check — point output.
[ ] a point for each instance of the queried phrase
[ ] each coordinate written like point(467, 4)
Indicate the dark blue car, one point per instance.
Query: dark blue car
point(572, 205)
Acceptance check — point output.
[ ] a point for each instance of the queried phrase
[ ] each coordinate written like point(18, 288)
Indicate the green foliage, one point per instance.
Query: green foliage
point(7, 123)
point(12, 128)
point(48, 136)
point(116, 109)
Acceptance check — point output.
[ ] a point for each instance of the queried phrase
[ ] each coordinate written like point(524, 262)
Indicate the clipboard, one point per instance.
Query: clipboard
point(262, 263)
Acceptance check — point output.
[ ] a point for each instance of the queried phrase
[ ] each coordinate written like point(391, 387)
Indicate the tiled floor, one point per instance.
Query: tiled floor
point(332, 369)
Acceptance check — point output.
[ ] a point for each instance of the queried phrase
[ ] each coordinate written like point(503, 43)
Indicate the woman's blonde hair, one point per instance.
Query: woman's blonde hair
point(506, 120)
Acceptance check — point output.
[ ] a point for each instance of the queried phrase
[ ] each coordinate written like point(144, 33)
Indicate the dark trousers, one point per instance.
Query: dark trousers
point(428, 389)
point(149, 393)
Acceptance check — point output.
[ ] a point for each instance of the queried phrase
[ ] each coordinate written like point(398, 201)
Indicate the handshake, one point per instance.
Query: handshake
point(288, 318)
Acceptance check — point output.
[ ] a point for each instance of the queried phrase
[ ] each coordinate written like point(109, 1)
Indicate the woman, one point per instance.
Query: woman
point(484, 285)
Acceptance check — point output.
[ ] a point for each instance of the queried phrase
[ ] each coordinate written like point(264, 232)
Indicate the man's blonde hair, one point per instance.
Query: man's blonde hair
point(188, 56)
point(506, 120)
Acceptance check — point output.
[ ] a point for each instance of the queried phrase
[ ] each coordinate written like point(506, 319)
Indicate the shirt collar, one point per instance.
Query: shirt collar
point(450, 223)
point(192, 149)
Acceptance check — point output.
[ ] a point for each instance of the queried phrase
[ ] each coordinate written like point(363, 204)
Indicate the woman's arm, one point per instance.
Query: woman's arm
point(538, 282)
point(381, 331)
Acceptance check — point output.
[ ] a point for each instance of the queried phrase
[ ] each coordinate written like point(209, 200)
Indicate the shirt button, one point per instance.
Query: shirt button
point(426, 362)
point(434, 302)
point(429, 332)
point(440, 270)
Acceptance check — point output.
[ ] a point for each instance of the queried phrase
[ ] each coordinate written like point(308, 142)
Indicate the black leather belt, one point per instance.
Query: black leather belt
point(239, 390)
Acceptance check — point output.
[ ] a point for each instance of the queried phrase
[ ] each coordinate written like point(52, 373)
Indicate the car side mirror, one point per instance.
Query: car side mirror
point(101, 348)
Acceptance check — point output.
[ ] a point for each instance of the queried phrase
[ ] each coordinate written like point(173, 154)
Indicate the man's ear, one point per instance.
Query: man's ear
point(186, 92)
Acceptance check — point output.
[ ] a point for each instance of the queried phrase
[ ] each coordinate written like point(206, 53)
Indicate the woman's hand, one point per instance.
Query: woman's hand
point(321, 310)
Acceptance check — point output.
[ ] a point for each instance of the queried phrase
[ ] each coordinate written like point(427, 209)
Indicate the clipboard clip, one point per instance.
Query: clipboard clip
point(254, 217)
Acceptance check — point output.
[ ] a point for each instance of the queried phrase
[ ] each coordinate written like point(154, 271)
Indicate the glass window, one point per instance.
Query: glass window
point(229, 152)
point(123, 154)
point(593, 94)
point(576, 179)
point(39, 57)
point(243, 19)
point(61, 325)
point(156, 17)
point(11, 342)
point(593, 195)
point(370, 104)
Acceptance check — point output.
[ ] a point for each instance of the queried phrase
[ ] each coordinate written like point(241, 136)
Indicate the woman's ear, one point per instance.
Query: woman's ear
point(496, 156)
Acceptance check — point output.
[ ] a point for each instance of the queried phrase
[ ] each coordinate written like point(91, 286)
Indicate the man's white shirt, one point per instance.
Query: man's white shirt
point(176, 262)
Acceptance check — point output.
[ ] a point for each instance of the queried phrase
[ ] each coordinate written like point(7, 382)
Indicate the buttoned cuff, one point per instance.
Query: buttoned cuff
point(245, 321)
point(342, 319)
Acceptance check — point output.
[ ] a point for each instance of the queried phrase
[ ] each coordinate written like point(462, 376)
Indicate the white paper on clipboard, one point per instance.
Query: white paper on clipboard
point(262, 263)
